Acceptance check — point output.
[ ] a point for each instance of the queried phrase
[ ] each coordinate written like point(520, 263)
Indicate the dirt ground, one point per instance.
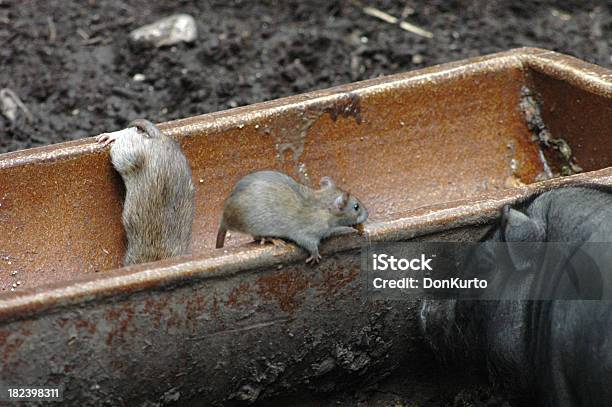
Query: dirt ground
point(72, 65)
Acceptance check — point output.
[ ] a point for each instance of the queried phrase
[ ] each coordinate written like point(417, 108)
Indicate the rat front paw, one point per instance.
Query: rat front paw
point(106, 138)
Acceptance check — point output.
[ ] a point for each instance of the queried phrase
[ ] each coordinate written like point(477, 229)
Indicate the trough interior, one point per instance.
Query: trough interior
point(415, 143)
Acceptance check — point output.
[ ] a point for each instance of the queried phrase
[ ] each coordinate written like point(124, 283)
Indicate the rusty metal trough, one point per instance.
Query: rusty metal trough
point(433, 154)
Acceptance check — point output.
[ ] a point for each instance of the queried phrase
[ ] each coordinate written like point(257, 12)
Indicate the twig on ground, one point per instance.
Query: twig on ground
point(404, 25)
point(388, 18)
point(374, 12)
point(52, 29)
point(82, 33)
point(93, 41)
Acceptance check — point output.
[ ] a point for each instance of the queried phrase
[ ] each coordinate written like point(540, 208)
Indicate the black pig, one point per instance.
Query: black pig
point(554, 352)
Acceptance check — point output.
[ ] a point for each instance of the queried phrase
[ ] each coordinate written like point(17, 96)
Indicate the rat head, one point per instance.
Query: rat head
point(347, 209)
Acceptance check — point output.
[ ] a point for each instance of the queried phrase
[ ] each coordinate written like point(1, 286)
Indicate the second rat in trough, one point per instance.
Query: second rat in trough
point(160, 196)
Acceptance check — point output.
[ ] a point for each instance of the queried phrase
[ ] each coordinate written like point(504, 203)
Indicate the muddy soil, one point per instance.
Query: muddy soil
point(72, 65)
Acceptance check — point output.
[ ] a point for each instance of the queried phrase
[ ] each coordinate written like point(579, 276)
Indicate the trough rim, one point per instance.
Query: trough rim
point(223, 263)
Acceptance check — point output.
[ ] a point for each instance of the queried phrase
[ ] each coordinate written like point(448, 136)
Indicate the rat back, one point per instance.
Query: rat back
point(268, 203)
point(159, 204)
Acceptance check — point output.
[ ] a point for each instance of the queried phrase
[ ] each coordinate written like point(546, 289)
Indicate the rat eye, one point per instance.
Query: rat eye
point(356, 206)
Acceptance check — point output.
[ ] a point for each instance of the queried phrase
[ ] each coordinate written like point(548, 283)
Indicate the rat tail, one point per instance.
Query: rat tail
point(221, 235)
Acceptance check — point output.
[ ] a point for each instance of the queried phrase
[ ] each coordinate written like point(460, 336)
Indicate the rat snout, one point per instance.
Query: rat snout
point(360, 228)
point(358, 224)
point(363, 216)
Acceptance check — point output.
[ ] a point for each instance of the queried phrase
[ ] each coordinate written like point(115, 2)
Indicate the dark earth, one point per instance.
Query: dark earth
point(80, 83)
point(72, 65)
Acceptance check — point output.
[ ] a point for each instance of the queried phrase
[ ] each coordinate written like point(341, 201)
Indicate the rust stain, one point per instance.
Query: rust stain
point(346, 106)
point(236, 297)
point(283, 287)
point(82, 323)
point(120, 320)
point(154, 308)
point(174, 318)
point(10, 348)
point(62, 322)
point(215, 311)
point(194, 307)
point(575, 118)
point(336, 278)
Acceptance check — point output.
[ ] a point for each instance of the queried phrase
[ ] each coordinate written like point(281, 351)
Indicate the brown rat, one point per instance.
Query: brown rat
point(159, 201)
point(270, 205)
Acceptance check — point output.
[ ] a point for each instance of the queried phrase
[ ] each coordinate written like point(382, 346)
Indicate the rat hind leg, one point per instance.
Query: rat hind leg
point(275, 241)
point(314, 259)
point(311, 244)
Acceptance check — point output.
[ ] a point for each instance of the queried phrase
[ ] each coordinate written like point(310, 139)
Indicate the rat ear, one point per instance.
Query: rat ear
point(327, 182)
point(341, 201)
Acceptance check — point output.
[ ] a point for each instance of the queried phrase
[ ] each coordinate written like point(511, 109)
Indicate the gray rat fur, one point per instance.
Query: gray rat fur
point(269, 204)
point(159, 201)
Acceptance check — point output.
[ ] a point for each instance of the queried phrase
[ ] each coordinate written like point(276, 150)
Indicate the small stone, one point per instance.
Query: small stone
point(201, 180)
point(10, 105)
point(561, 15)
point(167, 31)
point(139, 77)
point(417, 59)
point(171, 395)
